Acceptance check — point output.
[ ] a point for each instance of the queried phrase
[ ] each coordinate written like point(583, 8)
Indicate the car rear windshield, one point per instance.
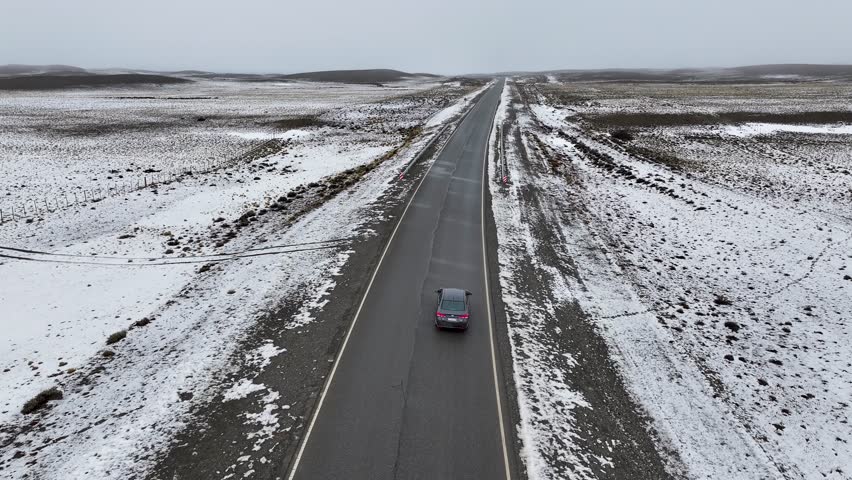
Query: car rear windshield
point(452, 305)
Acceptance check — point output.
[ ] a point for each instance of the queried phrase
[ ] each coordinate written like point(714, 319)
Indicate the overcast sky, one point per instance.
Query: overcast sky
point(440, 36)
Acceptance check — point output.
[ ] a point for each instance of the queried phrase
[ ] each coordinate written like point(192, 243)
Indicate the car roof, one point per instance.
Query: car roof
point(453, 294)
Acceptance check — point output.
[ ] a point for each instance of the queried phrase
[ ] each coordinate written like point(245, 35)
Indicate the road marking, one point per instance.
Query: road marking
point(364, 299)
point(488, 296)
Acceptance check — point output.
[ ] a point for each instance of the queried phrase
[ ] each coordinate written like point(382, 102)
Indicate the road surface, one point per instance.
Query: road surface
point(406, 400)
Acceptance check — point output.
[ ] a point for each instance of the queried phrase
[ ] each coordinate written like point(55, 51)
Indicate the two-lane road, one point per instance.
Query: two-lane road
point(404, 399)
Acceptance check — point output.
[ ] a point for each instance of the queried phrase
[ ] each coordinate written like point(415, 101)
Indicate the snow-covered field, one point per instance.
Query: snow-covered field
point(54, 144)
point(716, 261)
point(183, 268)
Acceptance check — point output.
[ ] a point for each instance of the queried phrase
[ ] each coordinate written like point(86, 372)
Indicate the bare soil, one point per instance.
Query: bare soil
point(642, 120)
point(53, 82)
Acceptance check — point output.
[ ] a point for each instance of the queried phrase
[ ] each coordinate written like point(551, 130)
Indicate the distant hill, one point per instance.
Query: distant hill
point(55, 81)
point(744, 74)
point(801, 69)
point(356, 76)
point(18, 69)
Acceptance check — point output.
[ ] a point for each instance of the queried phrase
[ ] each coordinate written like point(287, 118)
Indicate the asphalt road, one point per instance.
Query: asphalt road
point(406, 400)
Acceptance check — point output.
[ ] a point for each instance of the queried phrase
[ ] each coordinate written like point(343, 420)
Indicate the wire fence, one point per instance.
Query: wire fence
point(34, 207)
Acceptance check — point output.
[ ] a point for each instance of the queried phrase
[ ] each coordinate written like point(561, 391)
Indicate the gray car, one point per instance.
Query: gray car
point(453, 309)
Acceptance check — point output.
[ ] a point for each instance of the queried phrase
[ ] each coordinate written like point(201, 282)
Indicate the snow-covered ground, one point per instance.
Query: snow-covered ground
point(725, 307)
point(755, 129)
point(185, 268)
point(60, 142)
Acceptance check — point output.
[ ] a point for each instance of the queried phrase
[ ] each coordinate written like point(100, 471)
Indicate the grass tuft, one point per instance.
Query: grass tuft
point(722, 300)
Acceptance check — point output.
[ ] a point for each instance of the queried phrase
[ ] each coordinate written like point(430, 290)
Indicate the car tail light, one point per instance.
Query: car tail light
point(464, 316)
point(441, 315)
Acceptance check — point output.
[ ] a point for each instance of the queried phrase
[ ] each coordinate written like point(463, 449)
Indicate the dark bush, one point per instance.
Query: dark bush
point(41, 400)
point(722, 300)
point(116, 337)
point(141, 323)
point(622, 135)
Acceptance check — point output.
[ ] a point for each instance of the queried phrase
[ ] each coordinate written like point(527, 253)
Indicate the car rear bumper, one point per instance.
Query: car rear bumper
point(444, 323)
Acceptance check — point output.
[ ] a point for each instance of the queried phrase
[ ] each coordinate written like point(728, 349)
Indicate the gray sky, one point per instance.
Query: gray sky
point(440, 36)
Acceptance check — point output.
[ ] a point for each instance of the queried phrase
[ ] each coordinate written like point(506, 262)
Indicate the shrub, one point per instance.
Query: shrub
point(622, 135)
point(722, 300)
point(141, 323)
point(41, 400)
point(116, 337)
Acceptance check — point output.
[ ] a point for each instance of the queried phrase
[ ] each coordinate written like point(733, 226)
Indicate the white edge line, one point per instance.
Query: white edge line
point(485, 179)
point(330, 379)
